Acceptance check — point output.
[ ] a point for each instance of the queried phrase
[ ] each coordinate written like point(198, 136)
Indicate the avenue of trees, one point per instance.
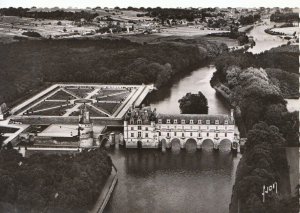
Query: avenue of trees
point(27, 65)
point(256, 86)
point(52, 183)
point(193, 104)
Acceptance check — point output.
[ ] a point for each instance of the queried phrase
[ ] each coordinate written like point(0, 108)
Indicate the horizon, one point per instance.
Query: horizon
point(153, 4)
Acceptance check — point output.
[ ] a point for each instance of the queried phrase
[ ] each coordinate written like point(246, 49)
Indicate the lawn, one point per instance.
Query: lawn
point(4, 129)
point(53, 112)
point(61, 95)
point(108, 107)
point(120, 97)
point(80, 92)
point(47, 104)
point(93, 112)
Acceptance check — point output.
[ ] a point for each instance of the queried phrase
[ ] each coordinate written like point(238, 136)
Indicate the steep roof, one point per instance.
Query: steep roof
point(195, 117)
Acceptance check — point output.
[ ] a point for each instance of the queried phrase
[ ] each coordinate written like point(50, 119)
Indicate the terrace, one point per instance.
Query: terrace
point(66, 100)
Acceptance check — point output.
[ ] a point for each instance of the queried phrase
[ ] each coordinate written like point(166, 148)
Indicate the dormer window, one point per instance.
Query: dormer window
point(175, 121)
point(226, 122)
point(199, 122)
point(139, 122)
point(131, 121)
point(217, 122)
point(182, 121)
point(191, 122)
point(207, 121)
point(168, 121)
point(159, 121)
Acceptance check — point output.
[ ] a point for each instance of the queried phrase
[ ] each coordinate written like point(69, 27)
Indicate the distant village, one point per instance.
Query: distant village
point(58, 23)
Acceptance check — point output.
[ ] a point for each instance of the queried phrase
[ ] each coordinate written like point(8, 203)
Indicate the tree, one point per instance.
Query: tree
point(193, 104)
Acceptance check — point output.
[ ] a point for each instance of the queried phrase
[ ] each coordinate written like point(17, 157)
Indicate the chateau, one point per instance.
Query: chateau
point(144, 128)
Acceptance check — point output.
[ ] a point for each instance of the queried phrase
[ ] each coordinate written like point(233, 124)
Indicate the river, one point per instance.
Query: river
point(152, 181)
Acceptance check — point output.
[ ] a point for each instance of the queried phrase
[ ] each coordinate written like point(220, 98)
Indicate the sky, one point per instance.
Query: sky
point(149, 3)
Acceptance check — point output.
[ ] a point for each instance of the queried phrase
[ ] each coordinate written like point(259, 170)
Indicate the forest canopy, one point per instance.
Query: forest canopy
point(29, 64)
point(52, 182)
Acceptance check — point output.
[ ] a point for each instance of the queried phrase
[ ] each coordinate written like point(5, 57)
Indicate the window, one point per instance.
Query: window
point(132, 128)
point(225, 134)
point(139, 134)
point(146, 128)
point(139, 122)
point(168, 121)
point(175, 133)
point(175, 121)
point(159, 134)
point(199, 135)
point(217, 122)
point(131, 121)
point(191, 134)
point(191, 122)
point(168, 134)
point(132, 135)
point(159, 121)
point(199, 122)
point(207, 134)
point(182, 134)
point(226, 122)
point(207, 121)
point(216, 135)
point(182, 121)
point(139, 128)
point(146, 135)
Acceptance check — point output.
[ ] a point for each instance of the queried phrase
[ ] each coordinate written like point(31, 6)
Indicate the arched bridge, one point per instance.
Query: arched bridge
point(192, 143)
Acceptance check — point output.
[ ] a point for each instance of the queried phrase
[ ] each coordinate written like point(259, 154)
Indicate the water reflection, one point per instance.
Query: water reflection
point(153, 181)
point(165, 100)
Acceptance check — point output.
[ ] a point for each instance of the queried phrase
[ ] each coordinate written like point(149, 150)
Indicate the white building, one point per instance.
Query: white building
point(143, 128)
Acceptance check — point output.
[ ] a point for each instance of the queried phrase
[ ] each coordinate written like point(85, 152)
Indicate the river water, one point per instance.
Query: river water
point(152, 181)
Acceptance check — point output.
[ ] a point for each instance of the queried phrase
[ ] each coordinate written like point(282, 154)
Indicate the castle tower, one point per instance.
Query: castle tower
point(85, 129)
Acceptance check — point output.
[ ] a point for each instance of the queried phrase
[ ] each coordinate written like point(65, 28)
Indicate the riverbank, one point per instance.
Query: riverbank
point(242, 87)
point(292, 154)
point(106, 192)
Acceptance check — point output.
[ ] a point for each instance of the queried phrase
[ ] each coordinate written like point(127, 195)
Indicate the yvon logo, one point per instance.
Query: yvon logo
point(269, 189)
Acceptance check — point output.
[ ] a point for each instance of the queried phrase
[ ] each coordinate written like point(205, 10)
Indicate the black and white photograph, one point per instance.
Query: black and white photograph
point(149, 106)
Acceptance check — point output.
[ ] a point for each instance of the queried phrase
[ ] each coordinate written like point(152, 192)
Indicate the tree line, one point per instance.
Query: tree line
point(284, 17)
point(261, 114)
point(56, 15)
point(27, 65)
point(52, 183)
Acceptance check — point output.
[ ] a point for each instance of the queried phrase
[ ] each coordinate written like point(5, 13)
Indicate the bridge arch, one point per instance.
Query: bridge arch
point(163, 143)
point(207, 144)
point(175, 144)
point(225, 144)
point(139, 144)
point(190, 145)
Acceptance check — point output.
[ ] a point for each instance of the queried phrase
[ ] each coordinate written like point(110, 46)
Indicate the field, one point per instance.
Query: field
point(188, 31)
point(15, 26)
